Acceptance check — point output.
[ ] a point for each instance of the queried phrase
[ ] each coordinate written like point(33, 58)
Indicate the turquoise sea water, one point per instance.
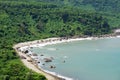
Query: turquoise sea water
point(84, 60)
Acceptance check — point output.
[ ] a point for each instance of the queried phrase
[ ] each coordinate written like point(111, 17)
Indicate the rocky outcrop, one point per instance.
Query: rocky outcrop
point(41, 55)
point(47, 59)
point(22, 57)
point(29, 60)
point(34, 54)
point(52, 66)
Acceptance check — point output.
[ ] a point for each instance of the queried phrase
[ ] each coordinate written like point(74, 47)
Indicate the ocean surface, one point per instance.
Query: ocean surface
point(84, 60)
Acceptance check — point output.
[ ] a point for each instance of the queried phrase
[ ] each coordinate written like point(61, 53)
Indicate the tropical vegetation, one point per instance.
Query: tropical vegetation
point(26, 20)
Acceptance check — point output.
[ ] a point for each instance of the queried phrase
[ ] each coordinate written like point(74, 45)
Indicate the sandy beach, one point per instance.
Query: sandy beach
point(22, 47)
point(34, 67)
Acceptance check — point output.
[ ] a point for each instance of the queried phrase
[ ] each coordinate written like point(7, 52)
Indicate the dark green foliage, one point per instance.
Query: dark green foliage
point(104, 5)
point(32, 20)
point(26, 20)
point(99, 5)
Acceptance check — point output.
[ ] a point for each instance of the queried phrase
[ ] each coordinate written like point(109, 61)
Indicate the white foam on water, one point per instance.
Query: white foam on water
point(40, 45)
point(118, 36)
point(65, 57)
point(58, 75)
point(51, 49)
point(97, 49)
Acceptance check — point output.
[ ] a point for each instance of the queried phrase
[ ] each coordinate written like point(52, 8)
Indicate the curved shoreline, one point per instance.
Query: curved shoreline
point(20, 47)
point(34, 67)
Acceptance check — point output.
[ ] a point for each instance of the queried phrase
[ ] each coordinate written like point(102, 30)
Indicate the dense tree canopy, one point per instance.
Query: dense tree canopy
point(25, 20)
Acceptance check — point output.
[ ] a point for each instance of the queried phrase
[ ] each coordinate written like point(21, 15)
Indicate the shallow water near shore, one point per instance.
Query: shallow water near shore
point(84, 60)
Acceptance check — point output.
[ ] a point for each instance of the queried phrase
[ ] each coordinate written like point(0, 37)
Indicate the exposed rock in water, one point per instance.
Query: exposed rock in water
point(26, 51)
point(34, 54)
point(52, 66)
point(47, 59)
point(43, 64)
point(51, 58)
point(38, 62)
point(64, 61)
point(41, 55)
point(31, 47)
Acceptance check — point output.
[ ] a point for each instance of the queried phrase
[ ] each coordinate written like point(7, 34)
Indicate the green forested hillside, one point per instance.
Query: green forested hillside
point(109, 8)
point(99, 5)
point(104, 5)
point(30, 20)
